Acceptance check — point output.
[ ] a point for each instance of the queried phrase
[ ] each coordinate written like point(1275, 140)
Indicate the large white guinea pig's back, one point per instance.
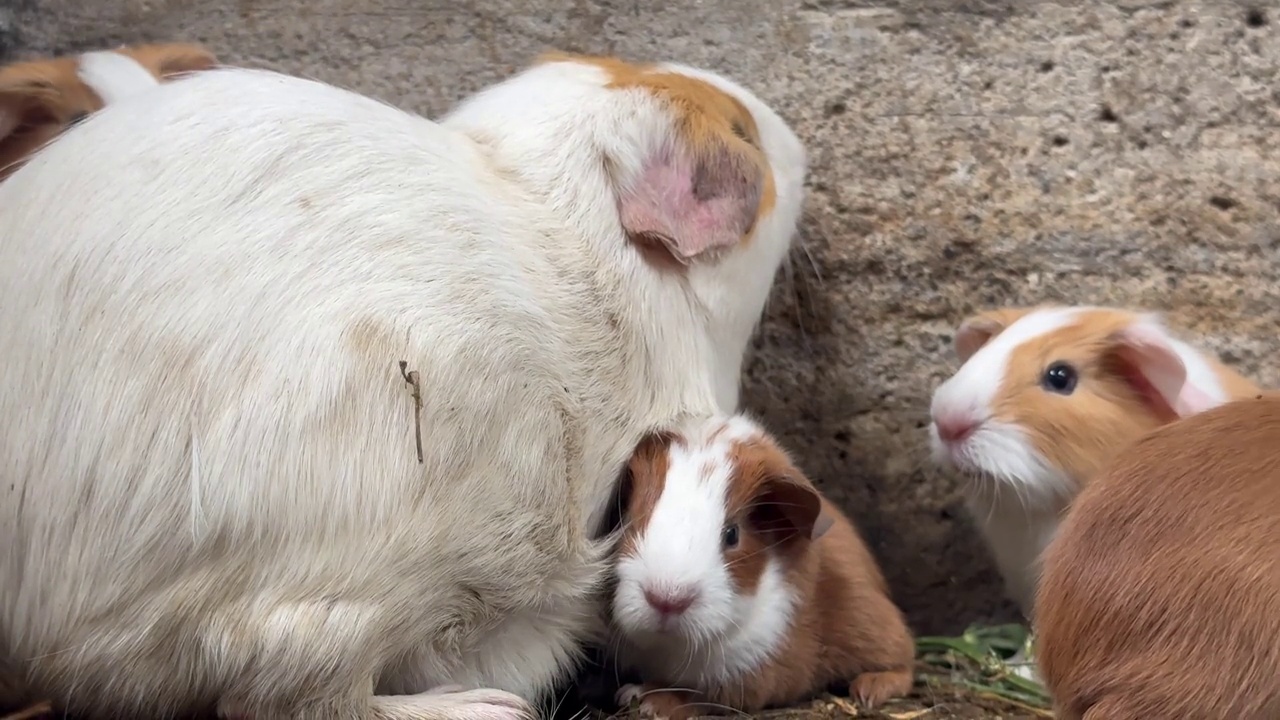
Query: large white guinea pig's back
point(206, 293)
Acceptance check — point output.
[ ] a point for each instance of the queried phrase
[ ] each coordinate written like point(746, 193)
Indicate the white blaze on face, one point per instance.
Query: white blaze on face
point(723, 633)
point(996, 448)
point(679, 550)
point(114, 76)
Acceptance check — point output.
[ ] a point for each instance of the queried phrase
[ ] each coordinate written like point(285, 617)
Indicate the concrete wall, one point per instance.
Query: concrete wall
point(965, 153)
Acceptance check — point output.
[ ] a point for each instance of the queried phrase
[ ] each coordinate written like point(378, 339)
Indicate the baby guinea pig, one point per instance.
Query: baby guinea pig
point(39, 99)
point(1044, 397)
point(739, 586)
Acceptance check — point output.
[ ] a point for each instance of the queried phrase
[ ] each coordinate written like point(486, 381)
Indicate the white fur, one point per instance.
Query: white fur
point(211, 488)
point(114, 76)
point(724, 634)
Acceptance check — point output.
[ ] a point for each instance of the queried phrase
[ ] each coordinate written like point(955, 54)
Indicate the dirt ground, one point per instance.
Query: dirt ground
point(939, 694)
point(957, 678)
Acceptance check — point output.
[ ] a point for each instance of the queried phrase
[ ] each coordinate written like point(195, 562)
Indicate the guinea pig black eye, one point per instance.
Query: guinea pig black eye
point(1059, 378)
point(729, 536)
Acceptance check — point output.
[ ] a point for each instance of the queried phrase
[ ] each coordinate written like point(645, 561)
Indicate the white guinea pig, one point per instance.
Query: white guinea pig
point(739, 586)
point(1044, 397)
point(312, 407)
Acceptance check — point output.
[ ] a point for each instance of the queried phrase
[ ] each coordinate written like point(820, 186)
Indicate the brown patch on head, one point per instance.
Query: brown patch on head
point(774, 507)
point(717, 131)
point(164, 60)
point(1112, 399)
point(38, 100)
point(643, 481)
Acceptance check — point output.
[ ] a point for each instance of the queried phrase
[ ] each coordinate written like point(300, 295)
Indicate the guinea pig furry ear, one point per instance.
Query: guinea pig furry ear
point(1151, 364)
point(978, 330)
point(788, 507)
point(695, 195)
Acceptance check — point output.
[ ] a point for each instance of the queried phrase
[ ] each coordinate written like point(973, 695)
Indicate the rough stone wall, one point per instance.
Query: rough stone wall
point(965, 154)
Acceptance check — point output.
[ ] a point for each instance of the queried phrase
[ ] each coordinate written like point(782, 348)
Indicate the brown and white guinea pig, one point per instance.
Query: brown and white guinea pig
point(1161, 593)
point(1044, 397)
point(739, 584)
point(39, 99)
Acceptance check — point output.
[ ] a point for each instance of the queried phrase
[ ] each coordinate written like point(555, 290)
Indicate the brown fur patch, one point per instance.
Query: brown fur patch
point(164, 60)
point(39, 99)
point(1160, 596)
point(1081, 431)
point(644, 479)
point(709, 119)
point(774, 505)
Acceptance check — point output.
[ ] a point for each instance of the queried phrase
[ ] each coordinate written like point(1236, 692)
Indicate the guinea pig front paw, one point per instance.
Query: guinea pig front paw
point(658, 704)
point(873, 688)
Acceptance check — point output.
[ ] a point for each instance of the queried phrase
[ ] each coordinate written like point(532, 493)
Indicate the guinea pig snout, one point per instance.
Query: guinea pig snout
point(955, 427)
point(669, 600)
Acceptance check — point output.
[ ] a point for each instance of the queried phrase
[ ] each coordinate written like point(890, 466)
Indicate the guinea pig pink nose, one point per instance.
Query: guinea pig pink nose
point(670, 602)
point(954, 428)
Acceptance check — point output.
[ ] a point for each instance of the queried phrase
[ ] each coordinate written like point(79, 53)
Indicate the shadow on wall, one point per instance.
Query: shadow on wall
point(848, 431)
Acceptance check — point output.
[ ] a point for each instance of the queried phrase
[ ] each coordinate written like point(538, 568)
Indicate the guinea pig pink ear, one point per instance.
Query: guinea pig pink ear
point(694, 197)
point(978, 330)
point(1151, 362)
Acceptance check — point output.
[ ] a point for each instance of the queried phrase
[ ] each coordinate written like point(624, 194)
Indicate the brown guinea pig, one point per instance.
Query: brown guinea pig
point(1161, 592)
point(739, 584)
point(39, 99)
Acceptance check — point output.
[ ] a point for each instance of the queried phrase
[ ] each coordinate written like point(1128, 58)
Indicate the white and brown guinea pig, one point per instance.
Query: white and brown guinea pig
point(1161, 592)
point(1044, 397)
point(39, 99)
point(739, 586)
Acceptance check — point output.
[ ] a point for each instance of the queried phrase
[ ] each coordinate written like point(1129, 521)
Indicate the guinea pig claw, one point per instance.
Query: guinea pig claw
point(628, 694)
point(874, 688)
point(658, 704)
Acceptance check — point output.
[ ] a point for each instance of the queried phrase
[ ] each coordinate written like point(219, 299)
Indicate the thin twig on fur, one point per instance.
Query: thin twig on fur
point(411, 377)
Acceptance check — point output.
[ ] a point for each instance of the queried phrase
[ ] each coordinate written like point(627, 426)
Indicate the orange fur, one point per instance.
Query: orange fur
point(846, 628)
point(710, 120)
point(39, 99)
point(1161, 592)
point(168, 60)
point(1080, 433)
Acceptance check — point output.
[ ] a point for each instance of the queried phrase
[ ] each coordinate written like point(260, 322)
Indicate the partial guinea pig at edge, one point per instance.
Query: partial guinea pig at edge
point(1044, 397)
point(1161, 592)
point(738, 583)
